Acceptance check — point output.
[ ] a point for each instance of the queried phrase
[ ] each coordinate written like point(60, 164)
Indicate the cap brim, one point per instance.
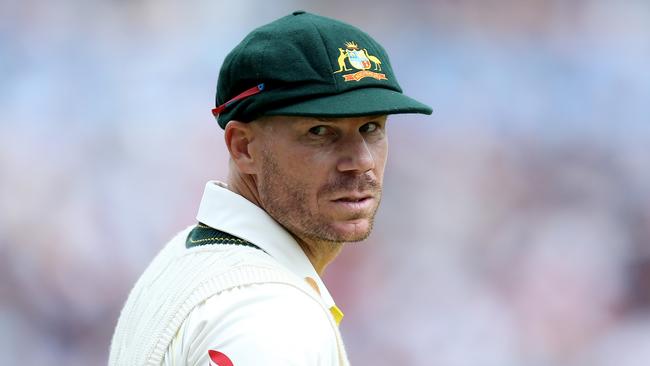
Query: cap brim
point(354, 103)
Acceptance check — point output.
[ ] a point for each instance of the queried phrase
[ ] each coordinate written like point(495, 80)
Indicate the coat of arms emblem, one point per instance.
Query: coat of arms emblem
point(359, 59)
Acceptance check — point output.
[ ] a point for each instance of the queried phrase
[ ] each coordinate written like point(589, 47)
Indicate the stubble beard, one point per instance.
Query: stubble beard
point(286, 199)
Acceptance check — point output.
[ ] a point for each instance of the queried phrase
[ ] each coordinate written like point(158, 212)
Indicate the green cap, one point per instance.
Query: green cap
point(308, 65)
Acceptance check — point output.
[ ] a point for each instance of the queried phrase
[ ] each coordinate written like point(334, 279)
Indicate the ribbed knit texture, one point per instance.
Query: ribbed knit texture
point(178, 280)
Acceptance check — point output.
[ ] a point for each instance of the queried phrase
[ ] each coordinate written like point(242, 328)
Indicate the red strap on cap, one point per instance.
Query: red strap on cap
point(245, 94)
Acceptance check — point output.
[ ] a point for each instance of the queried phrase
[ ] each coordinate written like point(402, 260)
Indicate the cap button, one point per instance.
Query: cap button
point(298, 12)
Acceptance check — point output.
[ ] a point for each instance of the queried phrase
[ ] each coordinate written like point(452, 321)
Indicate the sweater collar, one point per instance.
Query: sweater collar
point(230, 212)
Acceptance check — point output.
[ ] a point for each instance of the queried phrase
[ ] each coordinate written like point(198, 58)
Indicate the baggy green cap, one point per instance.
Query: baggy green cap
point(309, 65)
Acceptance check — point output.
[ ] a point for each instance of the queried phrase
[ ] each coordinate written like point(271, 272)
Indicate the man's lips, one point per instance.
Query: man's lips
point(353, 198)
point(354, 202)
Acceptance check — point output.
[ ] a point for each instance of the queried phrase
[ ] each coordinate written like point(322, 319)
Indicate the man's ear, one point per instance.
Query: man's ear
point(239, 136)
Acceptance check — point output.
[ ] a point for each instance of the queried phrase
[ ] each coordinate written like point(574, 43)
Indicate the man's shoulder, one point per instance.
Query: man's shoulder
point(179, 279)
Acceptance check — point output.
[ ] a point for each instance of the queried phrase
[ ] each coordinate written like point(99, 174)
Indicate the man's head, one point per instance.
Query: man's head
point(320, 178)
point(303, 101)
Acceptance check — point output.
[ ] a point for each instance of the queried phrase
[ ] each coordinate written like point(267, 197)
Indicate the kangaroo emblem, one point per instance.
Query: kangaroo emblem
point(351, 58)
point(342, 56)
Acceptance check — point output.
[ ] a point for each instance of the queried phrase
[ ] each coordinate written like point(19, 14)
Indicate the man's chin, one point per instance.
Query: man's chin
point(351, 230)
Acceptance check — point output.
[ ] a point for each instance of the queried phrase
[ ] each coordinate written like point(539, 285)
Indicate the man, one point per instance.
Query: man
point(303, 102)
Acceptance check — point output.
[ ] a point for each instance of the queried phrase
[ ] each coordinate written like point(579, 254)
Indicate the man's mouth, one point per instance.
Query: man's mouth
point(356, 204)
point(353, 198)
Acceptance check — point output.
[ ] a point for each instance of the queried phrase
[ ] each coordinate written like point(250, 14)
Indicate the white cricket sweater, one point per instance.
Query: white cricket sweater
point(181, 280)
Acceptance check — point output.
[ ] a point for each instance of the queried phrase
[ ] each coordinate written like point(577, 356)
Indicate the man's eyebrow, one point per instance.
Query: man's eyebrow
point(325, 119)
point(332, 120)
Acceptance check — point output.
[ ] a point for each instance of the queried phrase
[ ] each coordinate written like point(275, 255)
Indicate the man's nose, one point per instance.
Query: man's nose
point(355, 155)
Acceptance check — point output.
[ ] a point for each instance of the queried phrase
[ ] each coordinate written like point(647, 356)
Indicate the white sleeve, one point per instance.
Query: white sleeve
point(264, 324)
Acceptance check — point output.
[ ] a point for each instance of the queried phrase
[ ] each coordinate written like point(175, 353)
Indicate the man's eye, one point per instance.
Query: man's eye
point(369, 127)
point(318, 130)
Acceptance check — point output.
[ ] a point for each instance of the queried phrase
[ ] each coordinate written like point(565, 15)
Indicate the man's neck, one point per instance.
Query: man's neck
point(320, 253)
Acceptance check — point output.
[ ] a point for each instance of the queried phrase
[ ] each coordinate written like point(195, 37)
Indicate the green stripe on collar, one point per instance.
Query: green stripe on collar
point(202, 234)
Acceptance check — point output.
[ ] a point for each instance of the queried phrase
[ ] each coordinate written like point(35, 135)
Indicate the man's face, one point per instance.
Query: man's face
point(321, 178)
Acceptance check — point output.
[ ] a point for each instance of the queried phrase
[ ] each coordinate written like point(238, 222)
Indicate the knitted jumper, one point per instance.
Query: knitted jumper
point(188, 271)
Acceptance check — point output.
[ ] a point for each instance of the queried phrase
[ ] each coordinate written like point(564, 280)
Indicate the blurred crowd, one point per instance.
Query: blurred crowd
point(515, 224)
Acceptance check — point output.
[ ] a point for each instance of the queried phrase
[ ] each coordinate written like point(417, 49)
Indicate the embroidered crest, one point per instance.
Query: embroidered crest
point(360, 60)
